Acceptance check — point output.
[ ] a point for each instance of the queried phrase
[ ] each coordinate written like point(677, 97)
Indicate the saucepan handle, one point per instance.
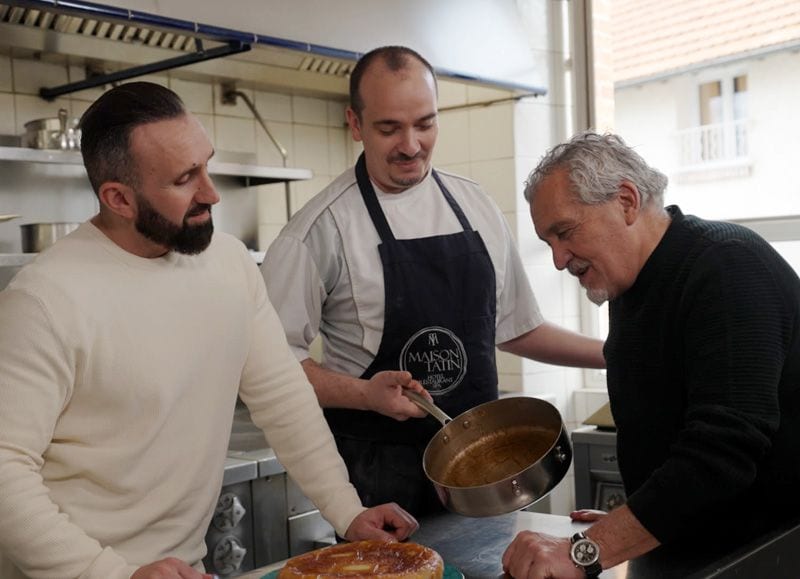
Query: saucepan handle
point(427, 406)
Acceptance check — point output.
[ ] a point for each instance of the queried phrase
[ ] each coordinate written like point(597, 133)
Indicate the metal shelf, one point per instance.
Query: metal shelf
point(248, 175)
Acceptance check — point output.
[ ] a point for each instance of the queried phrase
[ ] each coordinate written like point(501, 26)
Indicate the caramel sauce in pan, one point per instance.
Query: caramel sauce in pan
point(497, 455)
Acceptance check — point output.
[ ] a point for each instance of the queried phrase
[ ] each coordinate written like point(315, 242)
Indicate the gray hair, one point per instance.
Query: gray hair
point(597, 165)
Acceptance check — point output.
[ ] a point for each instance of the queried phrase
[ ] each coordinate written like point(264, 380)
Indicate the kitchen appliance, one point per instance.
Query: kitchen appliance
point(598, 483)
point(37, 237)
point(261, 516)
point(517, 446)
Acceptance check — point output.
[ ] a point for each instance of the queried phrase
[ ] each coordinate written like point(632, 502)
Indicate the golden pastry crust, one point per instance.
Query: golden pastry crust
point(366, 559)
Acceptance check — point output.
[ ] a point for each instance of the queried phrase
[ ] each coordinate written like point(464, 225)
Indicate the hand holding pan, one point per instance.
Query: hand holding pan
point(498, 457)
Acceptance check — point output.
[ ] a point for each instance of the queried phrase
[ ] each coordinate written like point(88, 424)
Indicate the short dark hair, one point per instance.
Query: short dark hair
point(107, 124)
point(394, 57)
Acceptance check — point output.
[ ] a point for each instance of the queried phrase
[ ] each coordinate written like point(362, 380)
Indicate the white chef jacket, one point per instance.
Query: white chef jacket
point(323, 272)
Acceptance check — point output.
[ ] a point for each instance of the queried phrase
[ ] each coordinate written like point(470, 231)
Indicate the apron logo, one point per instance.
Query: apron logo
point(436, 357)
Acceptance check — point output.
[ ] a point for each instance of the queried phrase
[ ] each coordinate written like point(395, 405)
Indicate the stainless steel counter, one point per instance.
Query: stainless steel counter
point(475, 546)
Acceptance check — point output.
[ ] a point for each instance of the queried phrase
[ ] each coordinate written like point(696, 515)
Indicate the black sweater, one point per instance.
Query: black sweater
point(703, 359)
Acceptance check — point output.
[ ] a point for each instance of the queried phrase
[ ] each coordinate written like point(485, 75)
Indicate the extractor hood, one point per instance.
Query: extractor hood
point(108, 40)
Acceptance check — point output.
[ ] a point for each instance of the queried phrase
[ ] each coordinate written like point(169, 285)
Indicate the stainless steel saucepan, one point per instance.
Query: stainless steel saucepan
point(498, 457)
point(37, 237)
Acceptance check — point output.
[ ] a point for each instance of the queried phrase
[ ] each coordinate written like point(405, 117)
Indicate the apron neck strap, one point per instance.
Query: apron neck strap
point(371, 200)
point(374, 208)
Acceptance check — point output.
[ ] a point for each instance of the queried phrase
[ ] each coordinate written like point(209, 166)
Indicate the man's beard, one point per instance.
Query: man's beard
point(185, 238)
point(596, 295)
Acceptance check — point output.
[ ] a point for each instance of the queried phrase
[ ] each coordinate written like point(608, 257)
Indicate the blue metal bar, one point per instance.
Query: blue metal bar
point(101, 79)
point(101, 11)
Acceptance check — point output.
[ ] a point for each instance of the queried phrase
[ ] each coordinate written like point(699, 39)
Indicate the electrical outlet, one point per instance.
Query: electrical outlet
point(227, 93)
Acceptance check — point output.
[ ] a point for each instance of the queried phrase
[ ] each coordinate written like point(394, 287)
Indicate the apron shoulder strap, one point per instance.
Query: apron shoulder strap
point(371, 200)
point(452, 202)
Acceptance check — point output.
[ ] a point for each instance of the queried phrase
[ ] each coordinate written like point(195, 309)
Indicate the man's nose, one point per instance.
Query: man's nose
point(207, 193)
point(561, 257)
point(409, 143)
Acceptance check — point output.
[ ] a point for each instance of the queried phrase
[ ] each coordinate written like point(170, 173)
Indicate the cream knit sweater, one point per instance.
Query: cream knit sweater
point(118, 381)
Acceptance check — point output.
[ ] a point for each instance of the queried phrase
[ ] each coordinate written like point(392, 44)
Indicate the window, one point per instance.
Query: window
point(720, 136)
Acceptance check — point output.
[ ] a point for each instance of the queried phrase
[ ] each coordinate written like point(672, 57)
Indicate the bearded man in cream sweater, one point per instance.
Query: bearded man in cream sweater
point(122, 351)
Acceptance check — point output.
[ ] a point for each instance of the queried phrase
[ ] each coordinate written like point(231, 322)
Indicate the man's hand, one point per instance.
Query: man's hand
point(587, 515)
point(169, 568)
point(387, 522)
point(384, 394)
point(538, 556)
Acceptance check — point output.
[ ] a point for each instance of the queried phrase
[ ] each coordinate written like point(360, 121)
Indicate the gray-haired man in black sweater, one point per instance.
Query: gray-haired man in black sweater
point(703, 358)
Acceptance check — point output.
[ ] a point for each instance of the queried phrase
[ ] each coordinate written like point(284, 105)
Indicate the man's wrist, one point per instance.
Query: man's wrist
point(585, 554)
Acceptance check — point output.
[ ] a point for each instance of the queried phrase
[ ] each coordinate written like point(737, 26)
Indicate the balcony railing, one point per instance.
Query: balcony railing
point(716, 144)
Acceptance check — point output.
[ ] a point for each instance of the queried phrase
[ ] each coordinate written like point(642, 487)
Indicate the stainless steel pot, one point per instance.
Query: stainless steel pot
point(52, 133)
point(37, 237)
point(498, 457)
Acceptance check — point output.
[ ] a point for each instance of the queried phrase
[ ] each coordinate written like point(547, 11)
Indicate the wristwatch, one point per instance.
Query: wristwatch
point(585, 553)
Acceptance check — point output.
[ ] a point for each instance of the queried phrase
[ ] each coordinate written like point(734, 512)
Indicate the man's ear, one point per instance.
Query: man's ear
point(118, 198)
point(354, 123)
point(631, 201)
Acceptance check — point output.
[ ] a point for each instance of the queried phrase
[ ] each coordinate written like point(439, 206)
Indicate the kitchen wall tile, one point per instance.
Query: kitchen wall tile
point(311, 148)
point(571, 296)
point(533, 250)
point(356, 148)
point(482, 94)
point(7, 125)
point(303, 191)
point(208, 124)
point(498, 178)
point(30, 107)
point(235, 134)
point(31, 75)
point(78, 107)
point(6, 78)
point(491, 133)
point(267, 232)
point(452, 94)
point(336, 115)
point(309, 111)
point(197, 96)
point(508, 363)
point(452, 145)
point(272, 204)
point(163, 80)
point(510, 382)
point(78, 73)
point(274, 106)
point(267, 153)
point(532, 130)
point(337, 150)
point(462, 169)
point(546, 283)
point(239, 109)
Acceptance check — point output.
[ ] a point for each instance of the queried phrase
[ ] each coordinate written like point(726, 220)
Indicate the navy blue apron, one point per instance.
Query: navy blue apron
point(439, 324)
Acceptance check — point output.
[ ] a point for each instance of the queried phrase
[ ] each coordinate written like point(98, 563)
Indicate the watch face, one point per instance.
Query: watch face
point(585, 552)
